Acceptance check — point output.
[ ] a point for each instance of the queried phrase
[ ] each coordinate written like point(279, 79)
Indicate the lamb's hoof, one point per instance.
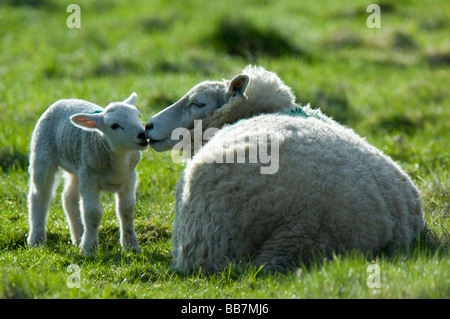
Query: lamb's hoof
point(87, 250)
point(136, 250)
point(132, 248)
point(76, 243)
point(36, 240)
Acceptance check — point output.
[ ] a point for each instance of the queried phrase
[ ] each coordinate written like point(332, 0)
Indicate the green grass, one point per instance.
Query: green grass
point(389, 84)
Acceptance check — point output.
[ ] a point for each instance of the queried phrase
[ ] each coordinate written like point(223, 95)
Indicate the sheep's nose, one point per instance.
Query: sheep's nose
point(142, 136)
point(149, 126)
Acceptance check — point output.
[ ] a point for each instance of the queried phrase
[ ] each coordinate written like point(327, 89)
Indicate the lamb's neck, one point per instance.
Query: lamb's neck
point(105, 160)
point(124, 161)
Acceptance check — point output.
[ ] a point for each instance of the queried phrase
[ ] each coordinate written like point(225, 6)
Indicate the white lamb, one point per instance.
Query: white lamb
point(99, 150)
point(332, 192)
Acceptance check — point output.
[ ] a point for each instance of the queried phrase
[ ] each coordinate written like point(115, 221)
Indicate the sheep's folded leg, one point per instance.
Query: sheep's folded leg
point(283, 251)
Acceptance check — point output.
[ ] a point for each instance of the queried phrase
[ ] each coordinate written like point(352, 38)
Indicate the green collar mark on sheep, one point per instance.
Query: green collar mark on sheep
point(299, 111)
point(98, 111)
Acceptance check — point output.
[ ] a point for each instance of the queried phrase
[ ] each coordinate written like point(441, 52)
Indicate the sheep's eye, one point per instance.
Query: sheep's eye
point(115, 126)
point(199, 105)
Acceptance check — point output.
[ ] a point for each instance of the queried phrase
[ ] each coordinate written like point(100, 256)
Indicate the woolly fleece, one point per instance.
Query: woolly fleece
point(333, 191)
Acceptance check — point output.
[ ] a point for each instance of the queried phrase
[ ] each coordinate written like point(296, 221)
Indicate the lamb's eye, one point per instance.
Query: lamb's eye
point(197, 104)
point(115, 126)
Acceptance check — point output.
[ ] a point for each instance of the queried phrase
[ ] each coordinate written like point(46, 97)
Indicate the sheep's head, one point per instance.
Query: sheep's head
point(118, 123)
point(199, 103)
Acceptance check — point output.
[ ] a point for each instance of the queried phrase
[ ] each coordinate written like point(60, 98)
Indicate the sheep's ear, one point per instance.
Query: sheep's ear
point(87, 121)
point(238, 84)
point(131, 99)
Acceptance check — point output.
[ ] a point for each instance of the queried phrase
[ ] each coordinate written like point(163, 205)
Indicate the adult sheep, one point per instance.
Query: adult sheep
point(331, 192)
point(99, 150)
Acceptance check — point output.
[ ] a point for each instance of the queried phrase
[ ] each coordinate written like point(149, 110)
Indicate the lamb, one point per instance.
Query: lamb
point(98, 149)
point(332, 191)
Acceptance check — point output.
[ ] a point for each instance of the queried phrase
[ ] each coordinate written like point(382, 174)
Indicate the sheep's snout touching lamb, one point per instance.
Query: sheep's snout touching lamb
point(98, 149)
point(333, 191)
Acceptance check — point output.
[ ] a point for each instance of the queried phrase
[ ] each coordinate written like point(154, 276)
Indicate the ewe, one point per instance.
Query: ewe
point(332, 192)
point(99, 150)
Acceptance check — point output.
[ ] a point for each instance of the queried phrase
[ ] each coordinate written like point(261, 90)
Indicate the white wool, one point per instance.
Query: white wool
point(265, 93)
point(332, 191)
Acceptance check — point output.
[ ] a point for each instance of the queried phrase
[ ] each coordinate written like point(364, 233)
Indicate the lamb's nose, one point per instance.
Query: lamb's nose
point(149, 126)
point(142, 136)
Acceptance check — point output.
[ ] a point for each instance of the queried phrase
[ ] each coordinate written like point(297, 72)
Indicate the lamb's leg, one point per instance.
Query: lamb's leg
point(70, 199)
point(91, 211)
point(125, 201)
point(42, 177)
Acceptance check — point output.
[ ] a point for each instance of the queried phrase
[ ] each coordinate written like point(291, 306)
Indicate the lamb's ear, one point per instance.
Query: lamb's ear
point(87, 121)
point(238, 84)
point(131, 99)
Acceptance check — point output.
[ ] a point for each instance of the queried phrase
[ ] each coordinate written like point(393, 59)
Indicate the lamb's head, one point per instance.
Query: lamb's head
point(218, 103)
point(118, 123)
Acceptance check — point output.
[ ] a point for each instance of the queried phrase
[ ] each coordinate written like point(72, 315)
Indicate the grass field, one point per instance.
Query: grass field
point(390, 84)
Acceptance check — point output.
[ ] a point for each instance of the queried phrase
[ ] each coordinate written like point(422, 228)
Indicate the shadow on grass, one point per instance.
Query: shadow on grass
point(438, 58)
point(386, 7)
point(11, 158)
point(19, 241)
point(240, 37)
point(194, 65)
point(403, 41)
point(37, 4)
point(408, 123)
point(335, 103)
point(113, 66)
point(343, 40)
point(106, 66)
